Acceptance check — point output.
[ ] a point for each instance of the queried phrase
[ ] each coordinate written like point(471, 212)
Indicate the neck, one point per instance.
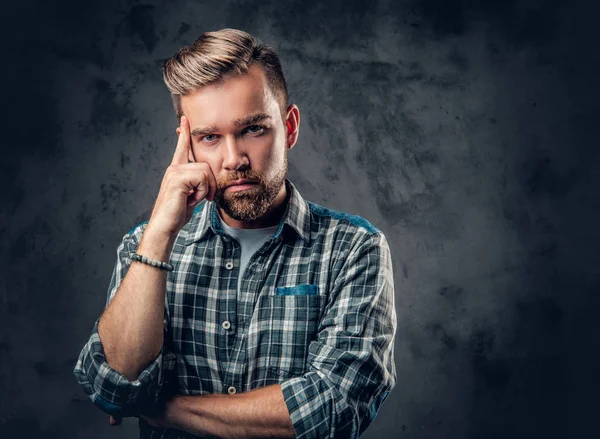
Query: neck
point(271, 217)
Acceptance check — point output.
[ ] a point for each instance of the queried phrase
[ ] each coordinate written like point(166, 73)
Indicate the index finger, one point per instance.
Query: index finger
point(180, 156)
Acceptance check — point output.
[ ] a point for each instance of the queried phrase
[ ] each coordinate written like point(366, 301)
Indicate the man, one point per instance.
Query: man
point(240, 309)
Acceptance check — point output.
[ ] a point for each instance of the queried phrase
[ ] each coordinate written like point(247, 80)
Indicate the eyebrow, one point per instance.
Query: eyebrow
point(248, 120)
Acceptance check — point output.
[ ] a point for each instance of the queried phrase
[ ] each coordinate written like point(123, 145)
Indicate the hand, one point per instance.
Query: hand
point(162, 420)
point(167, 418)
point(157, 422)
point(184, 185)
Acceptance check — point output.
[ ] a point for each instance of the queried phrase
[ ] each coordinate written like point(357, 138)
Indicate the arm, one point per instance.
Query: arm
point(119, 387)
point(260, 413)
point(121, 367)
point(131, 328)
point(351, 363)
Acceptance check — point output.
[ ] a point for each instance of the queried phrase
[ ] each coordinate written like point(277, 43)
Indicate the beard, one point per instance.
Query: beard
point(253, 203)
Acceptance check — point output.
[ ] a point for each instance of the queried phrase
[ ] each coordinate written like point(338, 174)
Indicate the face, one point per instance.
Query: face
point(237, 128)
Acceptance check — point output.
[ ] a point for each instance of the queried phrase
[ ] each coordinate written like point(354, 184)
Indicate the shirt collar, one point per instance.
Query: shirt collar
point(296, 216)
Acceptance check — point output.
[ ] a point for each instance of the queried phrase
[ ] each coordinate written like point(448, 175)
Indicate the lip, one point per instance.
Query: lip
point(240, 185)
point(241, 182)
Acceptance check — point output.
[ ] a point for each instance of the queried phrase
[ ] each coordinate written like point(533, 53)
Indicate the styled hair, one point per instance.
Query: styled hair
point(216, 55)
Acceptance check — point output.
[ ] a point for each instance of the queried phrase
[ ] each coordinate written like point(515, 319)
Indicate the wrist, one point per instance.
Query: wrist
point(174, 412)
point(156, 244)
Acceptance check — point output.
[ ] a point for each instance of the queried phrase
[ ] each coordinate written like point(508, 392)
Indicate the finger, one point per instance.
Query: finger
point(212, 184)
point(201, 191)
point(183, 143)
point(194, 198)
point(199, 179)
point(191, 158)
point(115, 421)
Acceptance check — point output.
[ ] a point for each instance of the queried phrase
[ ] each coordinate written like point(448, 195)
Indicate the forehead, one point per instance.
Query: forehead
point(232, 98)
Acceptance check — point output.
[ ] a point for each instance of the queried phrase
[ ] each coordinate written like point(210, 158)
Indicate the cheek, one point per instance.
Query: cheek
point(272, 160)
point(274, 149)
point(260, 151)
point(204, 157)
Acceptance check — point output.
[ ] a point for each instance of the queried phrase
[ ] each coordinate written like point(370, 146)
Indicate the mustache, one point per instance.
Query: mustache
point(222, 183)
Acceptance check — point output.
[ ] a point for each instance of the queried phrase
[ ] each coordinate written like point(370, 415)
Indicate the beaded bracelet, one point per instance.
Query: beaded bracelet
point(154, 262)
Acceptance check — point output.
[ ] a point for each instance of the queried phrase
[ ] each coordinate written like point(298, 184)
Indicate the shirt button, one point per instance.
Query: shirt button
point(231, 390)
point(229, 265)
point(226, 325)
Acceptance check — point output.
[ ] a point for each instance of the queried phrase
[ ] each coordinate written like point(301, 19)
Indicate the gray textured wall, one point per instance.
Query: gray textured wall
point(466, 131)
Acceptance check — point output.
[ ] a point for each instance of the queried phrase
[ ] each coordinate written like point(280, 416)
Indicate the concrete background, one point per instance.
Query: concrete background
point(466, 131)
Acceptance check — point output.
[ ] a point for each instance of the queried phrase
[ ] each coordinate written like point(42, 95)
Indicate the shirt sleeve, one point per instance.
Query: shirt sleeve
point(109, 389)
point(351, 362)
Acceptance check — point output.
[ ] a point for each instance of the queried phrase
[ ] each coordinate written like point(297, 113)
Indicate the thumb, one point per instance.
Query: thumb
point(115, 420)
point(194, 198)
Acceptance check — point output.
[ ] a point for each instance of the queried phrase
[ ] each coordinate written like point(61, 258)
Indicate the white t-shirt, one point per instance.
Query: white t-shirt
point(250, 241)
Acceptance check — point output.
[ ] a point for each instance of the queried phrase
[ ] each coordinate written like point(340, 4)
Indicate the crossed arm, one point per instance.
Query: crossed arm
point(259, 413)
point(126, 339)
point(350, 375)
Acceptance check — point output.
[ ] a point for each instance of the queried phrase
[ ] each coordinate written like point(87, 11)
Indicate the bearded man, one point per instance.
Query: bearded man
point(239, 309)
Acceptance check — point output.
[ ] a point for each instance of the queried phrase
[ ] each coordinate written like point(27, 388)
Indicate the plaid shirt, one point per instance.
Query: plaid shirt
point(315, 313)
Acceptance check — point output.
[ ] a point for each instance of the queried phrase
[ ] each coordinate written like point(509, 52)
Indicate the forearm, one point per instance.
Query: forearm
point(260, 413)
point(131, 328)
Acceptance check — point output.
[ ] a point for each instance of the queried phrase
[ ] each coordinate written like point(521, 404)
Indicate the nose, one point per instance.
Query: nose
point(233, 155)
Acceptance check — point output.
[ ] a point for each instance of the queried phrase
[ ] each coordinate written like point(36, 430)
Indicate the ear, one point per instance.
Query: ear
point(292, 125)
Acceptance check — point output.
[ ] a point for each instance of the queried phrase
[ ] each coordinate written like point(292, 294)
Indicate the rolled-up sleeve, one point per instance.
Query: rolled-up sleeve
point(109, 389)
point(351, 368)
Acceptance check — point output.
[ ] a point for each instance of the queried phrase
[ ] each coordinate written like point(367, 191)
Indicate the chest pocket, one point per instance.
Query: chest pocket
point(287, 324)
point(297, 290)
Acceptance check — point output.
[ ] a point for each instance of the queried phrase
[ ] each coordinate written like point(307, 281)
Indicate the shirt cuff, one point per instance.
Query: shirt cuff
point(112, 391)
point(316, 409)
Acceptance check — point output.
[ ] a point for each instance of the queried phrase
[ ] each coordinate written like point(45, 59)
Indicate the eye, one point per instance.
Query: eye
point(255, 129)
point(208, 138)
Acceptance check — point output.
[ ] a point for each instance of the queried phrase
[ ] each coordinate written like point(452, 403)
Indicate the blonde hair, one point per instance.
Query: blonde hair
point(216, 55)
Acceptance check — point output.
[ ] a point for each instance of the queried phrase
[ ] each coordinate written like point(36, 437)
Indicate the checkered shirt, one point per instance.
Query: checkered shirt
point(315, 314)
